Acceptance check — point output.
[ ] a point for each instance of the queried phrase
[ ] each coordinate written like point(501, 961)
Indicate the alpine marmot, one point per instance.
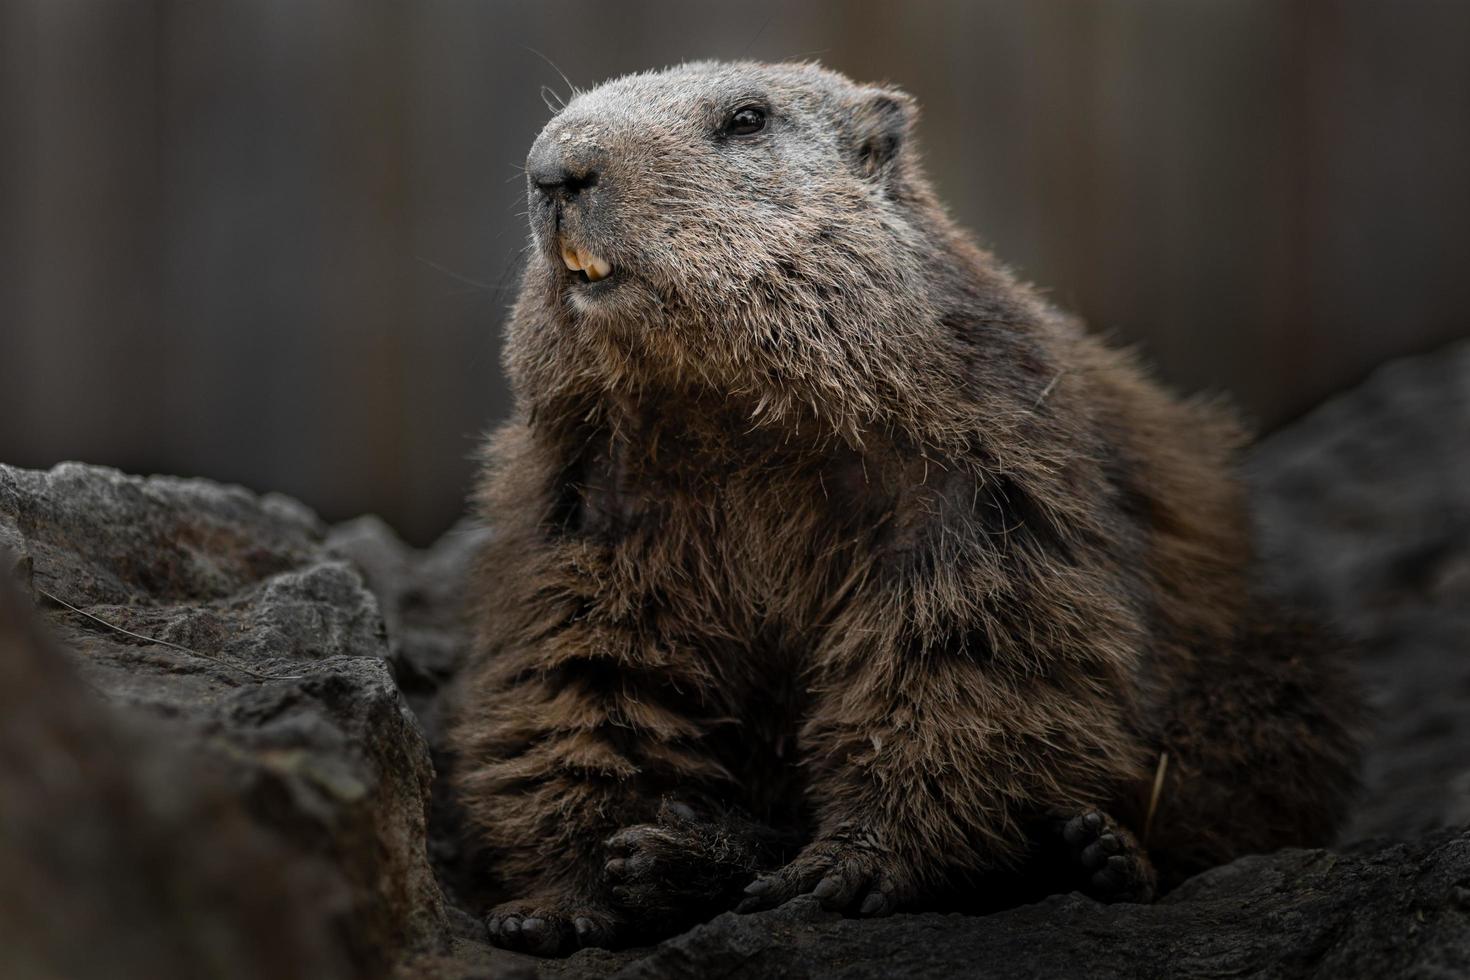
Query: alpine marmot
point(830, 558)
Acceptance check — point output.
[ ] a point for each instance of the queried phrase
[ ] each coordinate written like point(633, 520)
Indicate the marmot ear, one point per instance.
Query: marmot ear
point(882, 121)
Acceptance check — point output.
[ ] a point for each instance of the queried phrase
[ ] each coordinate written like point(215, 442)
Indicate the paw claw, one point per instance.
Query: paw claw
point(826, 888)
point(759, 887)
point(838, 870)
point(763, 893)
point(554, 925)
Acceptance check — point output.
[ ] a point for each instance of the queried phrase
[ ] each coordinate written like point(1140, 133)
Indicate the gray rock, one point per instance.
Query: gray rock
point(1297, 913)
point(124, 854)
point(1381, 911)
point(284, 692)
point(1364, 508)
point(422, 597)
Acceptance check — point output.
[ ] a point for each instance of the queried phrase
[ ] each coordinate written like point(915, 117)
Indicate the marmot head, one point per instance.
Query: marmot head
point(764, 230)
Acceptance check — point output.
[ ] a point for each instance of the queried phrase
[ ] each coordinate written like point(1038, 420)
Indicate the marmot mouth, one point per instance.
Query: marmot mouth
point(587, 266)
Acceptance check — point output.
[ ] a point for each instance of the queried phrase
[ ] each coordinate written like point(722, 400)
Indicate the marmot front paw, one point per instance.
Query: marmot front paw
point(683, 866)
point(552, 924)
point(1115, 865)
point(847, 871)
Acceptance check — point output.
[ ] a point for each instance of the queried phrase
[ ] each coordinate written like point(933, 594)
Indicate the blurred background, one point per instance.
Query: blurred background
point(272, 242)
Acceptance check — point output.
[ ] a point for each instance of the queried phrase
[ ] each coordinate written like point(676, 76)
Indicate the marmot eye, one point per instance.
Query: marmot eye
point(747, 121)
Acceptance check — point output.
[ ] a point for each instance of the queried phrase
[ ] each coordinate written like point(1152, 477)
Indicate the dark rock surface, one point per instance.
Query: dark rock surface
point(1366, 509)
point(297, 712)
point(296, 764)
point(123, 855)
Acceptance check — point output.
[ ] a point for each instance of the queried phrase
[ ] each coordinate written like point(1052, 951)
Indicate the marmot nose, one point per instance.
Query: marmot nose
point(558, 177)
point(564, 183)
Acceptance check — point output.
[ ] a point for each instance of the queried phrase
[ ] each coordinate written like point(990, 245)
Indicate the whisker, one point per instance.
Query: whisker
point(454, 275)
point(556, 68)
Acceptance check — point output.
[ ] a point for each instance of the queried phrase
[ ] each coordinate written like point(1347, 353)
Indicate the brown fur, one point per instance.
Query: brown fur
point(818, 517)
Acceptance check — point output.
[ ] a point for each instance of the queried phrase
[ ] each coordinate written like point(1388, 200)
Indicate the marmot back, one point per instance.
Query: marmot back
point(831, 559)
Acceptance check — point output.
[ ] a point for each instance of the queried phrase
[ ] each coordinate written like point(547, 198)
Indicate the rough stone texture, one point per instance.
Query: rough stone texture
point(1366, 510)
point(422, 594)
point(298, 712)
point(123, 855)
point(322, 773)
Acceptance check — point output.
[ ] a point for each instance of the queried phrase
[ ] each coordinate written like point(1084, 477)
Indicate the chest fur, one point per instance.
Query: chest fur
point(751, 529)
